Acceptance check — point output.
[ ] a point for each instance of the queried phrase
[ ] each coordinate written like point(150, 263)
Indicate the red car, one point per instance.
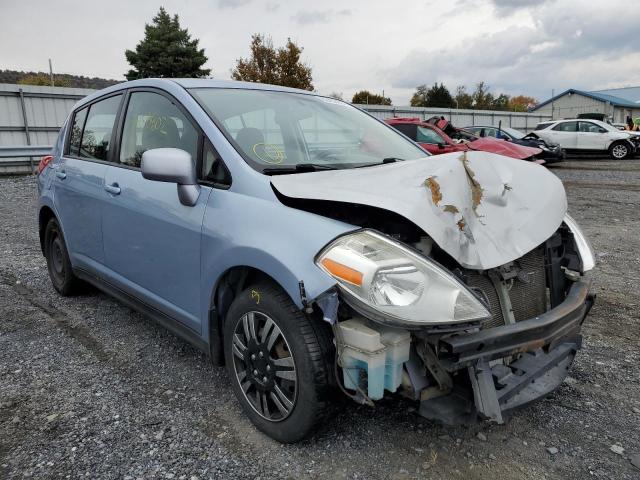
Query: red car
point(431, 136)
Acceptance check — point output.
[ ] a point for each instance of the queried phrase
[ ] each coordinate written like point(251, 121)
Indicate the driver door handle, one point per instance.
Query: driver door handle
point(113, 189)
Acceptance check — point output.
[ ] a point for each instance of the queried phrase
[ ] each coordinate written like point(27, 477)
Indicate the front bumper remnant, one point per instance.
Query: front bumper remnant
point(544, 348)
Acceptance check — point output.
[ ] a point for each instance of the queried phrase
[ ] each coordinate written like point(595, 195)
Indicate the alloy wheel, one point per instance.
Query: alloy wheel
point(264, 366)
point(620, 151)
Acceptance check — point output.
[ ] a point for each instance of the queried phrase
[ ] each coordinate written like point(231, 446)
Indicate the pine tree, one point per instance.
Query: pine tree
point(166, 51)
point(436, 96)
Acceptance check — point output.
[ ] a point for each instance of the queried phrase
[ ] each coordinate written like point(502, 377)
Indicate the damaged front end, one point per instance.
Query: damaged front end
point(467, 344)
point(465, 289)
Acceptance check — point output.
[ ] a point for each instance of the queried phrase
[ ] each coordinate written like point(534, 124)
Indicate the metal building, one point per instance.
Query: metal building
point(617, 103)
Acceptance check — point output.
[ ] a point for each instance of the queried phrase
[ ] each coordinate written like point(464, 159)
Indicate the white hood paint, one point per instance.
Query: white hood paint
point(519, 206)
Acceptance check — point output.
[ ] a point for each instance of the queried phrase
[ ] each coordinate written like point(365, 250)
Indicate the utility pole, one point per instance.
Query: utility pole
point(553, 94)
point(51, 74)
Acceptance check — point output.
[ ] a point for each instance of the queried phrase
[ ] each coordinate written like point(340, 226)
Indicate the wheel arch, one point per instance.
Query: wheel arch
point(232, 281)
point(44, 215)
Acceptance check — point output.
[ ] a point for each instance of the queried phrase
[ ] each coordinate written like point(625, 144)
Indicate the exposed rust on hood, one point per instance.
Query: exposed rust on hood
point(476, 189)
point(434, 186)
point(451, 209)
point(461, 224)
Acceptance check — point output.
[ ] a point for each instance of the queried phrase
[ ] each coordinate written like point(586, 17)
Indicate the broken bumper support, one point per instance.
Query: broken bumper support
point(545, 347)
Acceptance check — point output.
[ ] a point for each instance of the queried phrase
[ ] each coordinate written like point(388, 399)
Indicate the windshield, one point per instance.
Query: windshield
point(280, 130)
point(513, 133)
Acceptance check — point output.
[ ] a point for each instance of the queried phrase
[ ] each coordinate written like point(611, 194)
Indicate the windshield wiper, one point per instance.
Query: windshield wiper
point(298, 168)
point(383, 162)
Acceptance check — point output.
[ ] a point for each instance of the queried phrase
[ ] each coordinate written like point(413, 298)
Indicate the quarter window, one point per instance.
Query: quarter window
point(213, 168)
point(98, 129)
point(153, 121)
point(76, 132)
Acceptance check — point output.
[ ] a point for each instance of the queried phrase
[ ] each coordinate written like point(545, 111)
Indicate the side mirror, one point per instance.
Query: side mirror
point(172, 165)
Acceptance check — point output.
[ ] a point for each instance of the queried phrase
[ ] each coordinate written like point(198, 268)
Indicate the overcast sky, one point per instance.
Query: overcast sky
point(516, 46)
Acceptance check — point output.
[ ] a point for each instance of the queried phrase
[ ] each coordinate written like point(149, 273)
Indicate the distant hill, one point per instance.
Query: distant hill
point(60, 79)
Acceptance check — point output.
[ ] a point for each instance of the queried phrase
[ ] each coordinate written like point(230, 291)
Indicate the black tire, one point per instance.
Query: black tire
point(58, 263)
point(302, 342)
point(620, 150)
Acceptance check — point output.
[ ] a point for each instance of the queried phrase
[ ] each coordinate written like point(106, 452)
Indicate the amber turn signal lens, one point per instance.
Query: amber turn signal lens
point(342, 271)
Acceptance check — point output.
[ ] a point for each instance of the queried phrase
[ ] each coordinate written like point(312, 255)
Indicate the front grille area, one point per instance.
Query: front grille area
point(527, 291)
point(529, 300)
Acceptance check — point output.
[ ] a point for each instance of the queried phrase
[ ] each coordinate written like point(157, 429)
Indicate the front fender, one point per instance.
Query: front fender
point(243, 230)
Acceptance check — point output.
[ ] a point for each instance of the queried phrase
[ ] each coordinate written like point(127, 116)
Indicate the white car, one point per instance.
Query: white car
point(580, 135)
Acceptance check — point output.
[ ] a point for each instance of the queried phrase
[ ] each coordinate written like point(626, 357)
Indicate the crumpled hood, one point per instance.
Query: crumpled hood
point(503, 147)
point(483, 209)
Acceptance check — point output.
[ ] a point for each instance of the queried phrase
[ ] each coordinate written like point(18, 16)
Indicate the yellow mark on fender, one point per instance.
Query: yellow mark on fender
point(256, 296)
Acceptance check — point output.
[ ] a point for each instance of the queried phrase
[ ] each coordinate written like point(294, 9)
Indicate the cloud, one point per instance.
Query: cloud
point(231, 4)
point(272, 7)
point(507, 7)
point(502, 8)
point(319, 16)
point(568, 44)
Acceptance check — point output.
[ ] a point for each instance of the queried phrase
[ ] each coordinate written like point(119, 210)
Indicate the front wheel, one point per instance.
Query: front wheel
point(279, 362)
point(619, 151)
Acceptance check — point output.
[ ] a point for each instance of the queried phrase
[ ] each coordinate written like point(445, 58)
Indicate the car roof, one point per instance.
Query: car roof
point(415, 120)
point(187, 83)
point(212, 83)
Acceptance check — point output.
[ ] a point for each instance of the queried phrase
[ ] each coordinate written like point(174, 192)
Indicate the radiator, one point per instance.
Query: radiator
point(527, 292)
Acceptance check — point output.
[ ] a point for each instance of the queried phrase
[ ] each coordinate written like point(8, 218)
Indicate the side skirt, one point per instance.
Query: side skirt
point(170, 323)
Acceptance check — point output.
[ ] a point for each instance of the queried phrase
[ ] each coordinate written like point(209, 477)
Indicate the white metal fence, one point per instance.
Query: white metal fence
point(462, 117)
point(32, 115)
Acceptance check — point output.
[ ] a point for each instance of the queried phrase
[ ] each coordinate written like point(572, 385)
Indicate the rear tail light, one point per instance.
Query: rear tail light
point(44, 161)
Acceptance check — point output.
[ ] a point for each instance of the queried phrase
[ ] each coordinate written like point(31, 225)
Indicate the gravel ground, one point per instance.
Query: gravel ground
point(89, 388)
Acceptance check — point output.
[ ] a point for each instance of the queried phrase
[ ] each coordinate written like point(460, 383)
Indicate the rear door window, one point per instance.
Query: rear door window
point(98, 129)
point(566, 127)
point(154, 121)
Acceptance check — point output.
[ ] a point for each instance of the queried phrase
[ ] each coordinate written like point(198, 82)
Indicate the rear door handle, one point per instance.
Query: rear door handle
point(113, 189)
point(61, 174)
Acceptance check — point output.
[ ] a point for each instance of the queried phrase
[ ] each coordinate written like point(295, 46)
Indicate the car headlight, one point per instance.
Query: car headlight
point(582, 244)
point(392, 284)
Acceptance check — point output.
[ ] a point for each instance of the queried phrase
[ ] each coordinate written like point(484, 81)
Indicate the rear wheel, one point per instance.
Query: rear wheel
point(619, 150)
point(278, 361)
point(58, 263)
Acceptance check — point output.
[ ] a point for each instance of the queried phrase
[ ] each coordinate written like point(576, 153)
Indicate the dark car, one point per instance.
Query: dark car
point(551, 152)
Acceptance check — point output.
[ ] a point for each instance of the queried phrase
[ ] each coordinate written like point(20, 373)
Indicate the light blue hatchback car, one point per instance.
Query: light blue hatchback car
point(311, 248)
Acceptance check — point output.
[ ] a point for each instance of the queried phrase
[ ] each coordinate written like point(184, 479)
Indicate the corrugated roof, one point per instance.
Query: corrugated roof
point(631, 94)
point(596, 95)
